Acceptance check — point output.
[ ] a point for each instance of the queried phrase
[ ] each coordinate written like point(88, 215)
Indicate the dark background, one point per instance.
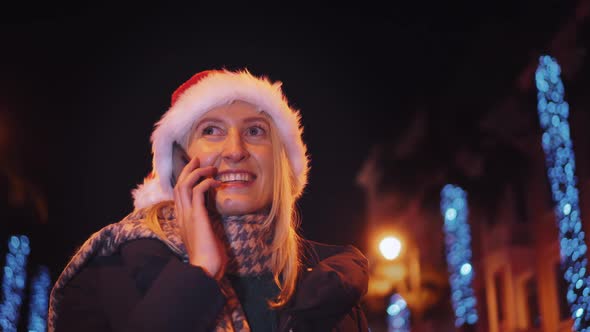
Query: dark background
point(85, 86)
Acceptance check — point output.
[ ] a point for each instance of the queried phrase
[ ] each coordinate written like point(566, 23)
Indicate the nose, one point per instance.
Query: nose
point(234, 149)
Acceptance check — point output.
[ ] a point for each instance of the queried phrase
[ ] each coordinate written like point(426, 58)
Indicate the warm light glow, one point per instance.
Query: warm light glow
point(390, 247)
point(393, 271)
point(379, 287)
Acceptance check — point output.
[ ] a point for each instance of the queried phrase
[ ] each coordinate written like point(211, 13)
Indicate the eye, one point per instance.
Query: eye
point(256, 131)
point(211, 130)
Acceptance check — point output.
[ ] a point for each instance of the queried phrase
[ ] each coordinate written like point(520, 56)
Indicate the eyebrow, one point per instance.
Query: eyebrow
point(207, 119)
point(256, 118)
point(217, 120)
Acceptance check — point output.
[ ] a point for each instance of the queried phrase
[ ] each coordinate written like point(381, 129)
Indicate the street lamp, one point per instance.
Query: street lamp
point(397, 274)
point(390, 247)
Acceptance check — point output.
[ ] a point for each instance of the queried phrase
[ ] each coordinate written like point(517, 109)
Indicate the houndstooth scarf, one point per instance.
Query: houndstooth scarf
point(247, 246)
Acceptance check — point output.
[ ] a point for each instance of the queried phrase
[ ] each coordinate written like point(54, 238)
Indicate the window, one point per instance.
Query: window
point(561, 283)
point(499, 287)
point(532, 302)
point(482, 307)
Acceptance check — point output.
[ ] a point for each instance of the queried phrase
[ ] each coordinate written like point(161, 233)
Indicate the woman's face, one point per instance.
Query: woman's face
point(235, 138)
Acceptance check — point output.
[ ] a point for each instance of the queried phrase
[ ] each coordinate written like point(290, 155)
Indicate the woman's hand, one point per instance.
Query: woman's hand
point(203, 247)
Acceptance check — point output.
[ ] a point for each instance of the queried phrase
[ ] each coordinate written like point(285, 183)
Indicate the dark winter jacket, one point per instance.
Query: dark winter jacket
point(145, 287)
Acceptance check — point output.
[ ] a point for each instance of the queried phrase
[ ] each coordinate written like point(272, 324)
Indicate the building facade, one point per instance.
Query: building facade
point(519, 282)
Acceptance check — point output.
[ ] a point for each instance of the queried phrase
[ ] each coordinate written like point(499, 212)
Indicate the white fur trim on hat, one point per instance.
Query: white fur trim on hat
point(216, 89)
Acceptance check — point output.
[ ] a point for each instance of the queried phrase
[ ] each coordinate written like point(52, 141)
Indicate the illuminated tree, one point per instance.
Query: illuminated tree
point(559, 156)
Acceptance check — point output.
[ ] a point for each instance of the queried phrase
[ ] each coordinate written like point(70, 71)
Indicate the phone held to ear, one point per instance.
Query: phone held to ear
point(179, 160)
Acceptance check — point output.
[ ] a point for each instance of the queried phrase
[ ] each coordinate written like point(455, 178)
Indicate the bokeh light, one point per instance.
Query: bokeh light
point(398, 314)
point(390, 247)
point(39, 302)
point(553, 113)
point(458, 249)
point(14, 281)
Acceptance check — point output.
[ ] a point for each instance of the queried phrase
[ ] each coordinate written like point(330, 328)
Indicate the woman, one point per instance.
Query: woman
point(212, 244)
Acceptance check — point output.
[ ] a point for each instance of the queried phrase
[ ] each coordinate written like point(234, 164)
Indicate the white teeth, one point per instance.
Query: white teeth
point(227, 177)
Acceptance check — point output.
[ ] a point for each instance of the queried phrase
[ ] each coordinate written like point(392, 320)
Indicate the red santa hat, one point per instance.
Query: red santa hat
point(198, 95)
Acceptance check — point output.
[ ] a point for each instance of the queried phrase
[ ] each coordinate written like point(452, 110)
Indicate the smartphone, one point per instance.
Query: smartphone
point(179, 160)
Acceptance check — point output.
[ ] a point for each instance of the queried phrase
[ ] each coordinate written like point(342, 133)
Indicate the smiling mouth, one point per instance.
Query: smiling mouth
point(240, 177)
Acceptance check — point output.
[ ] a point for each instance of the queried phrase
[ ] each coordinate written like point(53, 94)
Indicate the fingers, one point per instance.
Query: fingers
point(194, 176)
point(192, 165)
point(183, 189)
point(181, 200)
point(198, 192)
point(196, 231)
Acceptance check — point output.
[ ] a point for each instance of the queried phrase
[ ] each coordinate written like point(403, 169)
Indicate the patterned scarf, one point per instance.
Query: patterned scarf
point(247, 245)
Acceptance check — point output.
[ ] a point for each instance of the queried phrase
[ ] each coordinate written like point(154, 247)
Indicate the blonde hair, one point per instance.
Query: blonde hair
point(283, 216)
point(285, 258)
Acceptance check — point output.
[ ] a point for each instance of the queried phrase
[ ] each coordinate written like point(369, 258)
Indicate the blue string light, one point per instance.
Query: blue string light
point(458, 249)
point(14, 281)
point(398, 314)
point(559, 157)
point(38, 304)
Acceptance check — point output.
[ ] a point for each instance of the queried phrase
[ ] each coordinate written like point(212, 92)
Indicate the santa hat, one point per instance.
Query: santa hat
point(198, 95)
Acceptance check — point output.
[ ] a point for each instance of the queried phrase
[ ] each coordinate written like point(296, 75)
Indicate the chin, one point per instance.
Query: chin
point(233, 208)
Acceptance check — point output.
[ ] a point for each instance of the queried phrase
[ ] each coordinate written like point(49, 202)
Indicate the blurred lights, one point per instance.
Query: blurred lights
point(398, 314)
point(451, 214)
point(553, 113)
point(390, 247)
point(393, 309)
point(13, 282)
point(458, 249)
point(39, 300)
point(567, 208)
point(465, 269)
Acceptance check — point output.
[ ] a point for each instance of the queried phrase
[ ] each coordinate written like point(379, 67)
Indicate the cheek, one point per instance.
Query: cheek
point(266, 163)
point(207, 154)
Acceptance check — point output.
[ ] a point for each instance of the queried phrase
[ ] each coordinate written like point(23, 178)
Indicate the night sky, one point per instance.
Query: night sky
point(87, 85)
